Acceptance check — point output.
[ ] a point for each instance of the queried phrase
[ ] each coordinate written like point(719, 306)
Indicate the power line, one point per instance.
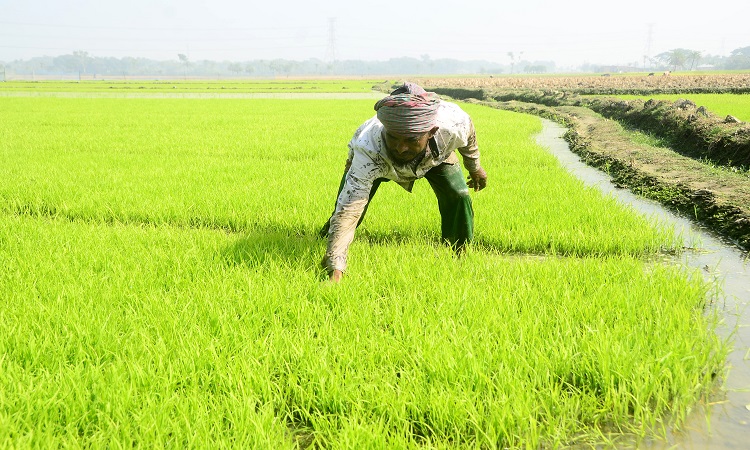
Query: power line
point(99, 27)
point(151, 50)
point(159, 39)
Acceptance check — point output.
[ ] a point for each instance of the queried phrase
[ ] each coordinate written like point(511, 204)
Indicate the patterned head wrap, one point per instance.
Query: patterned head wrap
point(409, 110)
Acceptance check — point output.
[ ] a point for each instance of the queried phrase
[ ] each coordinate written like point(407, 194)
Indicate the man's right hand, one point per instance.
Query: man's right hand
point(477, 179)
point(335, 276)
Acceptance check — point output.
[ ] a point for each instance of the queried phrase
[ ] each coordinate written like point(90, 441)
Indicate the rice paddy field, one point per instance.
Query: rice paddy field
point(161, 287)
point(191, 86)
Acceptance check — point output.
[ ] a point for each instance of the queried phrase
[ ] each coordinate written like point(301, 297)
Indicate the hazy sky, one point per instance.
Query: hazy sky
point(568, 32)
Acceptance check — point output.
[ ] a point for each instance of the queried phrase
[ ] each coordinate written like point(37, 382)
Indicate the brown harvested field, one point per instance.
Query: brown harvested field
point(739, 82)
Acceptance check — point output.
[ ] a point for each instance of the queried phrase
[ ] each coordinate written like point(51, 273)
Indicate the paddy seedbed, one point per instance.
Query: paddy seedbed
point(163, 287)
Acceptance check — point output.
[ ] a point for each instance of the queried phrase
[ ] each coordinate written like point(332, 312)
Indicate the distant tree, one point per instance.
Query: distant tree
point(67, 63)
point(249, 69)
point(281, 66)
point(649, 61)
point(235, 68)
point(130, 65)
point(82, 57)
point(291, 66)
point(694, 57)
point(185, 61)
point(515, 59)
point(739, 59)
point(676, 58)
point(208, 66)
point(535, 68)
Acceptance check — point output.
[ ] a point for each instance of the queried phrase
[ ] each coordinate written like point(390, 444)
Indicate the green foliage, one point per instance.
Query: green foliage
point(161, 288)
point(680, 58)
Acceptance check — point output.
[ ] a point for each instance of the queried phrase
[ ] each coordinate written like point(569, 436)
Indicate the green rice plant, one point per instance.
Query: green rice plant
point(530, 205)
point(162, 288)
point(121, 335)
point(276, 165)
point(192, 162)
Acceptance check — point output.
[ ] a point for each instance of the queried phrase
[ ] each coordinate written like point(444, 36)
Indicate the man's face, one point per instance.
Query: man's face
point(405, 148)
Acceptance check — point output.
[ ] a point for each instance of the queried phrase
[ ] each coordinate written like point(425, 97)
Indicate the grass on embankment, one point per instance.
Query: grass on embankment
point(737, 105)
point(162, 289)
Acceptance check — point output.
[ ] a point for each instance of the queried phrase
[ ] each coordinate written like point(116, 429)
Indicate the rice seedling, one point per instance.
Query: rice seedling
point(162, 288)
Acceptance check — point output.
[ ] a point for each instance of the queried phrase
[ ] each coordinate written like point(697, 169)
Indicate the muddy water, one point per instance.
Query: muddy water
point(725, 422)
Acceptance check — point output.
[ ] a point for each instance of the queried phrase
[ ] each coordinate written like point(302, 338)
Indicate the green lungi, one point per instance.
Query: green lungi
point(454, 203)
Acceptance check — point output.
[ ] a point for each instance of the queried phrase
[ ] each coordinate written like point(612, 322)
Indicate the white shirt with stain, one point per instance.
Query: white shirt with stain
point(368, 160)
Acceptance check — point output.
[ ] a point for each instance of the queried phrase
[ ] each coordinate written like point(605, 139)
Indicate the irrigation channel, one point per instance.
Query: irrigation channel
point(725, 422)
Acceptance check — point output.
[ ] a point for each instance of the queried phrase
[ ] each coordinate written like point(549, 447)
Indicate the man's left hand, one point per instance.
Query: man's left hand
point(477, 180)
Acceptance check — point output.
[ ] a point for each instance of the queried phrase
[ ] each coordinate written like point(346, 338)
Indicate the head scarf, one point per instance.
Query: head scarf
point(409, 110)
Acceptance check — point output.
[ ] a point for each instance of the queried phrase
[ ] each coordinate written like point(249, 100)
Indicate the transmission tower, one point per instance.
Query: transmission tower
point(649, 41)
point(331, 50)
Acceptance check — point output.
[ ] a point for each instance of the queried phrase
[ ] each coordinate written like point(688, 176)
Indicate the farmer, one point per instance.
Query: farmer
point(413, 135)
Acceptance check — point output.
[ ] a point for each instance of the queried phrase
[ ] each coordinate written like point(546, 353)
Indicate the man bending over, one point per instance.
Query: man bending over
point(413, 135)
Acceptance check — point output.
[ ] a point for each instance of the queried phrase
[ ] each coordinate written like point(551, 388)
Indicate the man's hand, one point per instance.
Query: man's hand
point(335, 276)
point(477, 180)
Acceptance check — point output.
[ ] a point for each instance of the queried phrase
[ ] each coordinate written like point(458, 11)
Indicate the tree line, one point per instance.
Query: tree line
point(686, 59)
point(82, 64)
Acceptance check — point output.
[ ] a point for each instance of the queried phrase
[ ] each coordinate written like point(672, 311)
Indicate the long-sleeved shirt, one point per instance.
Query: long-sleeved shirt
point(368, 160)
